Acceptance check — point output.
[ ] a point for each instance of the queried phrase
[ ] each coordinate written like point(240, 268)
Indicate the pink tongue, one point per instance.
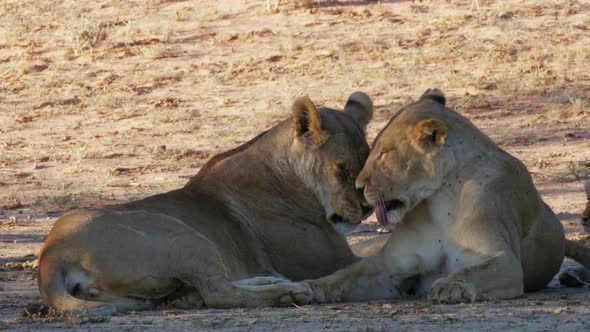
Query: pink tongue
point(381, 215)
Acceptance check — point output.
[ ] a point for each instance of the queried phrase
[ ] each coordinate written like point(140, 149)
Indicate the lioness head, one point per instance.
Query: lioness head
point(328, 151)
point(405, 163)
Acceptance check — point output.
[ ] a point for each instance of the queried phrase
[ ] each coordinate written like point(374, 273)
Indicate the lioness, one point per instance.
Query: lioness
point(271, 207)
point(468, 223)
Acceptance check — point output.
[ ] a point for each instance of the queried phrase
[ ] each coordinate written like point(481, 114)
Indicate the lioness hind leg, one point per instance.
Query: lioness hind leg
point(149, 256)
point(197, 263)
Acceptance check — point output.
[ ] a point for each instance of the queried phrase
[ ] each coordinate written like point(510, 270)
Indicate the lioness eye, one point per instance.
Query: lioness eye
point(345, 174)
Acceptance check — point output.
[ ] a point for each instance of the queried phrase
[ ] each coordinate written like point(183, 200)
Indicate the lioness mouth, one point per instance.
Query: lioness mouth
point(384, 207)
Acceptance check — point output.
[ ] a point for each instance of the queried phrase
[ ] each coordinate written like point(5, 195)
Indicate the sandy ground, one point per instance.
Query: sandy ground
point(107, 101)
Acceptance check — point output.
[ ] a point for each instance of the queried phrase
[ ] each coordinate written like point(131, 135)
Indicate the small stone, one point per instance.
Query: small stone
point(506, 15)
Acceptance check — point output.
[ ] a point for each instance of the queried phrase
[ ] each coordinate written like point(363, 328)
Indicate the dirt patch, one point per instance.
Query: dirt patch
point(105, 102)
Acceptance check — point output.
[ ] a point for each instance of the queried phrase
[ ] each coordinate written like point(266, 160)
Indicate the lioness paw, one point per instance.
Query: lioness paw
point(301, 294)
point(449, 292)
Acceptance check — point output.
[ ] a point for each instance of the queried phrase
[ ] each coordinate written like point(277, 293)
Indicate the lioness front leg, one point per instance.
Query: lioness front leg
point(368, 279)
point(497, 277)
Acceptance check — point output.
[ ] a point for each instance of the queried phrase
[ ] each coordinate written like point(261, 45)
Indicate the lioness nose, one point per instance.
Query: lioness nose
point(360, 181)
point(360, 185)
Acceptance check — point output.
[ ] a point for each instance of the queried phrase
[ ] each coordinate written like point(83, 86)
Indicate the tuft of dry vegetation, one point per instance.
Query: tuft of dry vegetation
point(41, 314)
point(86, 35)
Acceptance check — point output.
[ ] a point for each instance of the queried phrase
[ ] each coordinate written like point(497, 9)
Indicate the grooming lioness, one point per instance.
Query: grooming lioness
point(269, 208)
point(468, 223)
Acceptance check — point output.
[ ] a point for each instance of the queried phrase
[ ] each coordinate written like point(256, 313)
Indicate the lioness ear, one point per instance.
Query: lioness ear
point(308, 123)
point(360, 107)
point(429, 134)
point(436, 95)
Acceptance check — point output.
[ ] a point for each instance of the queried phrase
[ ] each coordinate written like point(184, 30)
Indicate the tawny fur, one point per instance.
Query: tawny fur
point(472, 225)
point(263, 209)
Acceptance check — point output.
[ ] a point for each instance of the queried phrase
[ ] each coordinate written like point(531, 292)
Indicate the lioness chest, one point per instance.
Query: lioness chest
point(447, 232)
point(426, 243)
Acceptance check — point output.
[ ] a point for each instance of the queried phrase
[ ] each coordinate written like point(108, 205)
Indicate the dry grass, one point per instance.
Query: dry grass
point(208, 77)
point(157, 51)
point(566, 108)
point(39, 314)
point(579, 170)
point(572, 171)
point(86, 35)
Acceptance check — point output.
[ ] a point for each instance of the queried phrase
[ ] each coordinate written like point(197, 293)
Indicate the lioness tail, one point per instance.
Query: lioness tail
point(56, 285)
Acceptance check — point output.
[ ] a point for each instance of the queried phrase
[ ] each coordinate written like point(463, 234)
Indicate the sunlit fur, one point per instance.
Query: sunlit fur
point(266, 209)
point(473, 226)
